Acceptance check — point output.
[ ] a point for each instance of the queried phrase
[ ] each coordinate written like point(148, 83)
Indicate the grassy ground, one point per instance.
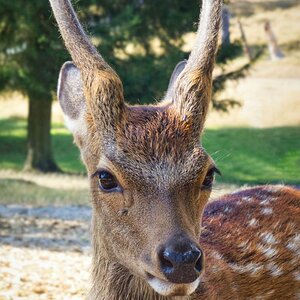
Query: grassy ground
point(256, 156)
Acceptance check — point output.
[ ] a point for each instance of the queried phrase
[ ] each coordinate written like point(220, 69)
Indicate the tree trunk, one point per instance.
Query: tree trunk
point(225, 27)
point(246, 47)
point(39, 149)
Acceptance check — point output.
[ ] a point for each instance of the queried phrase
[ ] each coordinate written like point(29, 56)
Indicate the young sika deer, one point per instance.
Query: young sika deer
point(151, 179)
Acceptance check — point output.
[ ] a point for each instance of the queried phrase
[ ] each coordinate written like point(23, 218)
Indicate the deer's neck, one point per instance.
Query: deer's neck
point(112, 281)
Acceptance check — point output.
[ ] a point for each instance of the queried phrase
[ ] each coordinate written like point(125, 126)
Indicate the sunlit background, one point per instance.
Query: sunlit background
point(252, 132)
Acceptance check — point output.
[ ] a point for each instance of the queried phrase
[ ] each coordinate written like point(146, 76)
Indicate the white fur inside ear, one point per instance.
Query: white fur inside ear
point(76, 126)
point(71, 99)
point(177, 71)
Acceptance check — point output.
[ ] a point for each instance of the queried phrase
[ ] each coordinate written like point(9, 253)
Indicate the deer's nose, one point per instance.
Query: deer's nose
point(181, 261)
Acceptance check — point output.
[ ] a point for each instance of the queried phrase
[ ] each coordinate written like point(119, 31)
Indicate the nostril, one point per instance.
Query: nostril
point(166, 263)
point(198, 260)
point(194, 255)
point(199, 264)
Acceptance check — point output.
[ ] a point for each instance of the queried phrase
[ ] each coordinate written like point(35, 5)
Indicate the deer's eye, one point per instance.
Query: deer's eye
point(107, 181)
point(209, 179)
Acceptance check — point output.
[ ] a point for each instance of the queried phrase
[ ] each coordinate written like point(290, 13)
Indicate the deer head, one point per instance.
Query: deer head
point(150, 177)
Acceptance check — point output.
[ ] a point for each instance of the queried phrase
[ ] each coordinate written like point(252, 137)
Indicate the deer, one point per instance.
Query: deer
point(154, 233)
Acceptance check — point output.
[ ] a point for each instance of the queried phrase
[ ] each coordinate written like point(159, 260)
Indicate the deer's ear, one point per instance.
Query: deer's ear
point(177, 70)
point(71, 98)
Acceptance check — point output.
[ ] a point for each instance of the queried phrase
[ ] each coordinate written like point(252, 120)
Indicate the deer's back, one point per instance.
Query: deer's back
point(252, 244)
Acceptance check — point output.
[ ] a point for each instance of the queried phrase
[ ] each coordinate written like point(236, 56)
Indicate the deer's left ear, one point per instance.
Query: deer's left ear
point(176, 72)
point(71, 98)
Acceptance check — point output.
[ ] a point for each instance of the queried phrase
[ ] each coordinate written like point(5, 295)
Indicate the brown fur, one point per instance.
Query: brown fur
point(249, 238)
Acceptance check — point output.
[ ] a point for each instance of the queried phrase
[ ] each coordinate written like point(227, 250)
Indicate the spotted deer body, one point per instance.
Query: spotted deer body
point(252, 242)
point(151, 179)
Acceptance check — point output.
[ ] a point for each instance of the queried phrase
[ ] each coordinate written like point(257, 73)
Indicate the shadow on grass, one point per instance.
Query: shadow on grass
point(13, 146)
point(18, 191)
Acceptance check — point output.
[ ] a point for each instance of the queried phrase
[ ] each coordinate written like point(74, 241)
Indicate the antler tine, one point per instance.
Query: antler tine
point(83, 52)
point(193, 87)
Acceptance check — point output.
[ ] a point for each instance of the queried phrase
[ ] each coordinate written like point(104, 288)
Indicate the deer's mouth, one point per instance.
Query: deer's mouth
point(167, 288)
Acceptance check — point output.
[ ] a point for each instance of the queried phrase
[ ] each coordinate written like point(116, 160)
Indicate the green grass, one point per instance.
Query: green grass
point(256, 156)
point(244, 155)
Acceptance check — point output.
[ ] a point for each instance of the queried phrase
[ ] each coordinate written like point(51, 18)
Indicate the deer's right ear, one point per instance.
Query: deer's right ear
point(71, 98)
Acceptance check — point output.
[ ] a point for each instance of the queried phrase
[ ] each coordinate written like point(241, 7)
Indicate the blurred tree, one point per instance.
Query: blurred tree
point(143, 41)
point(31, 54)
point(225, 26)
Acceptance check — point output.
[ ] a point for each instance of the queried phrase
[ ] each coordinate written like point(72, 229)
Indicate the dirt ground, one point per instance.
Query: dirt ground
point(265, 102)
point(44, 252)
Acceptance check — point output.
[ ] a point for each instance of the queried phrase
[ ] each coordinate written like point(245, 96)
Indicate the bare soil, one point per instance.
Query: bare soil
point(44, 252)
point(265, 102)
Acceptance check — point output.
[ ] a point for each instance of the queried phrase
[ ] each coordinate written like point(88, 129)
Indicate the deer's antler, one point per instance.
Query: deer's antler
point(192, 91)
point(102, 86)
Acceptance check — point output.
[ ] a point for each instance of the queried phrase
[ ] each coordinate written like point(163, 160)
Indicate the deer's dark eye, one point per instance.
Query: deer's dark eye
point(209, 178)
point(107, 181)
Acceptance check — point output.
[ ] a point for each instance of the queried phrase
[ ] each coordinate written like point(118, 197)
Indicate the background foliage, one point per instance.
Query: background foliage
point(31, 51)
point(120, 26)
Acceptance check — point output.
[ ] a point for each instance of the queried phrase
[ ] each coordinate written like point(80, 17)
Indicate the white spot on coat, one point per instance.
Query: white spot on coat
point(247, 199)
point(253, 222)
point(274, 269)
point(244, 245)
point(227, 209)
point(252, 268)
point(266, 201)
point(268, 238)
point(268, 251)
point(294, 244)
point(267, 211)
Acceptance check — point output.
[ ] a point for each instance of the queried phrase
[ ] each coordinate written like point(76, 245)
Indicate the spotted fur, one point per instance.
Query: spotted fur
point(261, 256)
